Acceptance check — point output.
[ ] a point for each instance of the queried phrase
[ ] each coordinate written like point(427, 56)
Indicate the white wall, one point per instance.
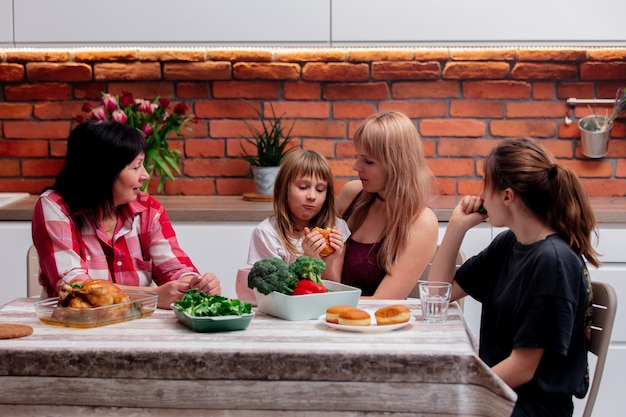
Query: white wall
point(6, 22)
point(461, 22)
point(310, 23)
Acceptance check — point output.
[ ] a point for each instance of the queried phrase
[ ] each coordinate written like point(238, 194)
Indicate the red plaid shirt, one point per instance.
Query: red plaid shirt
point(144, 246)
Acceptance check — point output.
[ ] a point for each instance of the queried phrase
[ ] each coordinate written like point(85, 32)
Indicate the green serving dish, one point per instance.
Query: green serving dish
point(209, 324)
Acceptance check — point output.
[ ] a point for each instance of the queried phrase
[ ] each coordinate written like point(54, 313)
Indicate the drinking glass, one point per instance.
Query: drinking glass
point(435, 299)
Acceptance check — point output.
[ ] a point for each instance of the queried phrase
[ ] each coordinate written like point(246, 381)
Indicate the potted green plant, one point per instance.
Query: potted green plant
point(154, 120)
point(595, 130)
point(270, 142)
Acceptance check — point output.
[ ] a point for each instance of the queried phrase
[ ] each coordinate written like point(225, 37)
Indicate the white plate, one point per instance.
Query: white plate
point(373, 328)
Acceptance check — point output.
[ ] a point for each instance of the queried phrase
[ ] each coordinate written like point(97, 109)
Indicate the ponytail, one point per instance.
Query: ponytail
point(571, 214)
point(552, 192)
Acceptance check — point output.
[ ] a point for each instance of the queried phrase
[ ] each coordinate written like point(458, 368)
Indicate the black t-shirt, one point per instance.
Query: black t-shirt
point(534, 296)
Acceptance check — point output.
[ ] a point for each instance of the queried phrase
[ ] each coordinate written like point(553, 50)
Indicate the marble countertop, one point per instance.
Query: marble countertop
point(234, 208)
point(155, 362)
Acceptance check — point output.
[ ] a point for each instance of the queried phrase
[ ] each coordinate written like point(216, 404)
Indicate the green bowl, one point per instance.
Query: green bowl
point(209, 324)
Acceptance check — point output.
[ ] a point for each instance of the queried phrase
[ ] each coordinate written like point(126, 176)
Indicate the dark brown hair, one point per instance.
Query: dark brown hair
point(552, 192)
point(96, 154)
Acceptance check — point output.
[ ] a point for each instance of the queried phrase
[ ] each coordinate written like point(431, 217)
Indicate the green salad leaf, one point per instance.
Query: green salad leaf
point(200, 304)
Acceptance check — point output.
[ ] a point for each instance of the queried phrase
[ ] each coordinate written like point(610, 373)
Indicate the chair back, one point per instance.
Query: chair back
point(415, 292)
point(604, 308)
point(33, 288)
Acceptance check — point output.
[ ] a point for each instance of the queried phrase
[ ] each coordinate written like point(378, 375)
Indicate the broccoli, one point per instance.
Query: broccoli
point(272, 274)
point(309, 268)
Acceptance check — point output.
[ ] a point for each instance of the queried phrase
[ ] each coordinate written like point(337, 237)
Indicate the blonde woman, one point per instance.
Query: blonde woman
point(304, 198)
point(394, 232)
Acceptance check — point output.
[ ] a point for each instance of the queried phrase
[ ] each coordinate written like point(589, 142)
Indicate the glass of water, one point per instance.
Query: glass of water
point(435, 299)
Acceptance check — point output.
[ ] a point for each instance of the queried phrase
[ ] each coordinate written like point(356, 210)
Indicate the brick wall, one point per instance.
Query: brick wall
point(463, 101)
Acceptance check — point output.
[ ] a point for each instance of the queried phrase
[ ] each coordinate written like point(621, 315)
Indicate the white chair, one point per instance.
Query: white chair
point(33, 288)
point(460, 259)
point(604, 308)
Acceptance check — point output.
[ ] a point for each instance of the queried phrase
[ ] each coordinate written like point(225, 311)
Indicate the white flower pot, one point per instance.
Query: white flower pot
point(594, 142)
point(264, 178)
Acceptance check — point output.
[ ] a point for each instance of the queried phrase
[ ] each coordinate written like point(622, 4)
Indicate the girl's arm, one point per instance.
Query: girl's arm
point(519, 367)
point(412, 262)
point(464, 217)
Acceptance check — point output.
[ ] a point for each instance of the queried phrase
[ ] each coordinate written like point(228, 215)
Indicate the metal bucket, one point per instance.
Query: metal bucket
point(595, 143)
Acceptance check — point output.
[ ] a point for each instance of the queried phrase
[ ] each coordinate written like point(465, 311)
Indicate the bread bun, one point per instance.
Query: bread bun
point(332, 313)
point(326, 234)
point(393, 314)
point(355, 317)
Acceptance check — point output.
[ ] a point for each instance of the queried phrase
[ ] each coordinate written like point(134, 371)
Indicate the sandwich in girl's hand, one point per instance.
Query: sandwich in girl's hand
point(326, 234)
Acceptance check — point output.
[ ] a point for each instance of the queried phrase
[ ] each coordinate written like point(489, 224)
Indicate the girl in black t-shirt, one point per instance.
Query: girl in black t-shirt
point(532, 279)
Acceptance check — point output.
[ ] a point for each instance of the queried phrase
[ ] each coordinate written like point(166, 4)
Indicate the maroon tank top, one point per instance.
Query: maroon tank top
point(360, 265)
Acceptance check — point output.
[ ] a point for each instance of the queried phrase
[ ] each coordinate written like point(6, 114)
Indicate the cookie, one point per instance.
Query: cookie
point(11, 331)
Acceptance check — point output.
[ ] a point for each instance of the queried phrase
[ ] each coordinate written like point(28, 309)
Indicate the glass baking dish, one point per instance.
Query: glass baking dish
point(141, 304)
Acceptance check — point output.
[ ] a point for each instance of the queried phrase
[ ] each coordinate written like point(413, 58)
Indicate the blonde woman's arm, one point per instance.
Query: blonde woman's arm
point(412, 262)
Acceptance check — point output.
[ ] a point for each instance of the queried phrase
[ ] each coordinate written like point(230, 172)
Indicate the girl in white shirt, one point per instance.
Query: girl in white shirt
point(304, 198)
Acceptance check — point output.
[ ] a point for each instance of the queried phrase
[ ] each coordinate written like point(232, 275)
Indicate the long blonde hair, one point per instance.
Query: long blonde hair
point(296, 164)
point(392, 139)
point(553, 192)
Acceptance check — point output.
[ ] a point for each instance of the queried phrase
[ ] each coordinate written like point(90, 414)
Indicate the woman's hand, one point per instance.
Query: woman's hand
point(175, 290)
point(171, 292)
point(209, 283)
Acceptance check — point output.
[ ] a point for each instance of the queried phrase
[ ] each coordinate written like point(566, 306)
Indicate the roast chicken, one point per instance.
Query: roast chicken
point(89, 294)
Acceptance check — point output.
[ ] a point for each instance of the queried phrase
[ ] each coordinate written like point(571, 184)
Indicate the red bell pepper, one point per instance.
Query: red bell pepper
point(306, 286)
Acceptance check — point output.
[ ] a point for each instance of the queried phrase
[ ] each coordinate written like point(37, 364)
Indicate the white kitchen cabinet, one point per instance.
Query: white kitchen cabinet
point(232, 22)
point(220, 247)
point(460, 23)
point(15, 239)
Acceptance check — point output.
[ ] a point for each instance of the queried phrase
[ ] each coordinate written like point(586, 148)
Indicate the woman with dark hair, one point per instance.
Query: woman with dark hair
point(95, 223)
point(532, 279)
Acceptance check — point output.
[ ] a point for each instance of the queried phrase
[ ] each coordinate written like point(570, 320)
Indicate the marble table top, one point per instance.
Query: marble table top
point(156, 364)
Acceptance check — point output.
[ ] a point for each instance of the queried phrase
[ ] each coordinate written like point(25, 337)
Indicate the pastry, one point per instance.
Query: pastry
point(394, 314)
point(326, 234)
point(355, 317)
point(332, 313)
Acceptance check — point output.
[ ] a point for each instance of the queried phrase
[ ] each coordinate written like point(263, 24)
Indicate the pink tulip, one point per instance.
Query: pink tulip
point(164, 103)
point(99, 113)
point(146, 107)
point(118, 116)
point(147, 129)
point(110, 102)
